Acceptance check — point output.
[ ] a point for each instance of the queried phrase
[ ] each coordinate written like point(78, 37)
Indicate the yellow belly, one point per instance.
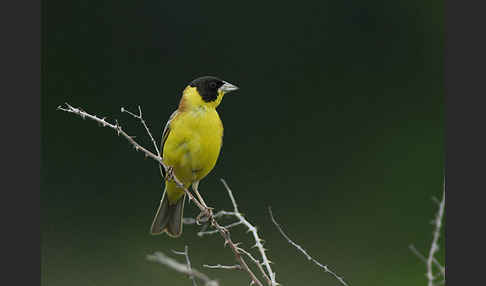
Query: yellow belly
point(192, 147)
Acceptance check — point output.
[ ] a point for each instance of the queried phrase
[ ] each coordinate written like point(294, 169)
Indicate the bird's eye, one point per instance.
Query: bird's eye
point(212, 85)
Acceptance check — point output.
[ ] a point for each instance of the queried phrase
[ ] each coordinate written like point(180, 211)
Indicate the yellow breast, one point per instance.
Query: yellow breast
point(194, 142)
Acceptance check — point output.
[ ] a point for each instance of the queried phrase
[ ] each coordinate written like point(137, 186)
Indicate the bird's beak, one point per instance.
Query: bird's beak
point(228, 87)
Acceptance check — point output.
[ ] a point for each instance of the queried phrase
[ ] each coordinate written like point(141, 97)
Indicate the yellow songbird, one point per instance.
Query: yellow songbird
point(191, 142)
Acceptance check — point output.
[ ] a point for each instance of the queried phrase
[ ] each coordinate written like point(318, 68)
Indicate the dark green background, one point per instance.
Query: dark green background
point(338, 125)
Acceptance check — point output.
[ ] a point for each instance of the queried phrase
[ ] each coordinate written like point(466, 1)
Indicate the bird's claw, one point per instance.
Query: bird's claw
point(204, 216)
point(169, 174)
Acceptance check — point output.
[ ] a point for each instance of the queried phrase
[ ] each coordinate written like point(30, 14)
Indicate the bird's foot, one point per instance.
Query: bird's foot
point(169, 175)
point(204, 216)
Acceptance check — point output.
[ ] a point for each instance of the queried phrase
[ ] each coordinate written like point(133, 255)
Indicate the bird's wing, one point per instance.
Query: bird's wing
point(165, 134)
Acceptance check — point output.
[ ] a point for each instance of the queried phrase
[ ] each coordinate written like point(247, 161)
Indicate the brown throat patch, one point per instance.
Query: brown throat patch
point(182, 104)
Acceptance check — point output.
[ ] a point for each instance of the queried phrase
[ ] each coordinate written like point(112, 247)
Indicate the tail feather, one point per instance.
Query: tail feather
point(169, 217)
point(174, 227)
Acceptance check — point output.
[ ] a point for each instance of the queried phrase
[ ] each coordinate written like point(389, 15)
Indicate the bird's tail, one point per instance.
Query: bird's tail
point(169, 217)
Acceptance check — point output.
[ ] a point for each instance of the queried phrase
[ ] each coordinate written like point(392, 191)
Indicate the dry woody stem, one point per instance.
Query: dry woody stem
point(258, 241)
point(422, 257)
point(263, 266)
point(170, 176)
point(188, 263)
point(434, 247)
point(430, 260)
point(163, 259)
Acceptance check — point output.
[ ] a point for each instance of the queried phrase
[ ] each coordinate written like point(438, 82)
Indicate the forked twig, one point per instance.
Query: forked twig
point(139, 117)
point(203, 233)
point(434, 247)
point(258, 264)
point(241, 220)
point(117, 127)
point(430, 260)
point(258, 241)
point(182, 268)
point(269, 275)
point(188, 263)
point(422, 257)
point(170, 176)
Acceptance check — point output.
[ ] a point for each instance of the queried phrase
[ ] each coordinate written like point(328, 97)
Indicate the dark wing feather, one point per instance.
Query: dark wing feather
point(165, 134)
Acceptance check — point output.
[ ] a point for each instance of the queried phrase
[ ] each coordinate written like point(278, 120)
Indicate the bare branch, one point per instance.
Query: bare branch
point(430, 260)
point(182, 268)
point(257, 263)
point(170, 176)
point(422, 257)
point(139, 117)
point(227, 267)
point(325, 267)
point(234, 247)
point(117, 127)
point(224, 213)
point(241, 220)
point(202, 233)
point(435, 246)
point(190, 220)
point(253, 230)
point(188, 263)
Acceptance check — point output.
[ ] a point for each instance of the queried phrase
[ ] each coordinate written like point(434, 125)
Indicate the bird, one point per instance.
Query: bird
point(190, 145)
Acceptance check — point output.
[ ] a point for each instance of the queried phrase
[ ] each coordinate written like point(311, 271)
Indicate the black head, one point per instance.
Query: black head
point(207, 86)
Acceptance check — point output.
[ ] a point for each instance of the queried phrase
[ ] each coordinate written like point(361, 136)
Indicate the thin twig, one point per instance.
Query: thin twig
point(188, 263)
point(227, 267)
point(422, 257)
point(202, 233)
point(190, 220)
point(224, 213)
point(170, 176)
point(139, 117)
point(257, 263)
point(253, 230)
point(250, 227)
point(325, 267)
point(234, 247)
point(434, 247)
point(182, 268)
point(117, 127)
